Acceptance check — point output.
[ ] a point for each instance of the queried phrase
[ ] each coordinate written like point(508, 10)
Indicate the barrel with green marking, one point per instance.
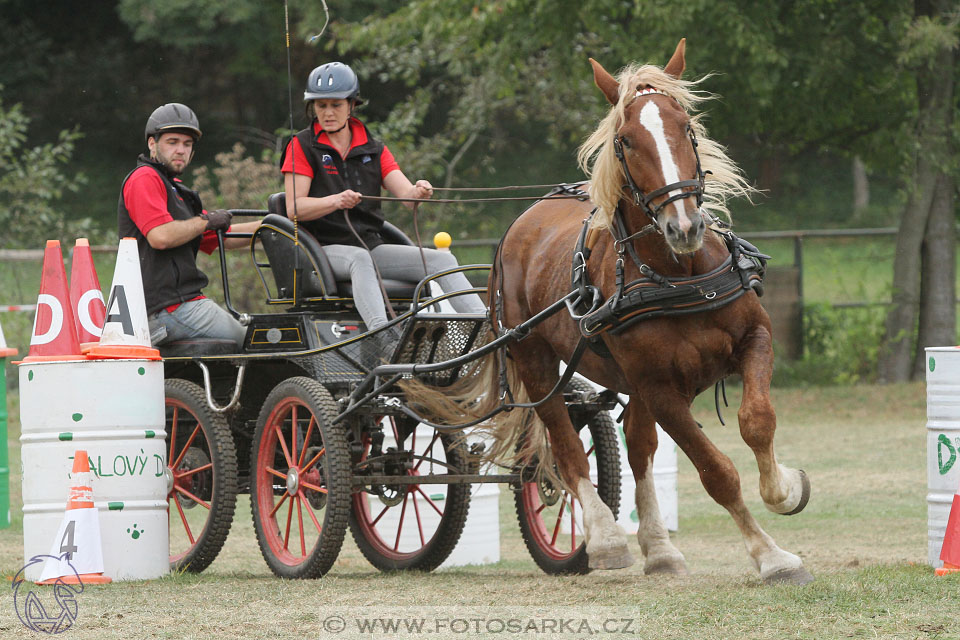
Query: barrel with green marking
point(114, 410)
point(943, 442)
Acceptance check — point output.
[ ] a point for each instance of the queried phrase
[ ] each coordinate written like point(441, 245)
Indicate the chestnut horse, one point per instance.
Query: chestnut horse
point(663, 363)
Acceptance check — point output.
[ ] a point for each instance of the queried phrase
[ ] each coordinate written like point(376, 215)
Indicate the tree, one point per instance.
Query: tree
point(924, 271)
point(32, 181)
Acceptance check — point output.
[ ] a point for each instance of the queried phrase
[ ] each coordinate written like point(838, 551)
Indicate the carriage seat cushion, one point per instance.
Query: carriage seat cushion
point(312, 287)
point(198, 347)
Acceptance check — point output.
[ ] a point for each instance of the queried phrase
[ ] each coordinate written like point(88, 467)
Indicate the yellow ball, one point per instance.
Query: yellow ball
point(442, 240)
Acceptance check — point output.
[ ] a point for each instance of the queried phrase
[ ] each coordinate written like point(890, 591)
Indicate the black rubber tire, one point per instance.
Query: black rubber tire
point(446, 535)
point(604, 436)
point(328, 442)
point(216, 443)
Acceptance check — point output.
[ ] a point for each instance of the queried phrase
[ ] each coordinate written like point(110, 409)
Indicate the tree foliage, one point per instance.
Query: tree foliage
point(32, 181)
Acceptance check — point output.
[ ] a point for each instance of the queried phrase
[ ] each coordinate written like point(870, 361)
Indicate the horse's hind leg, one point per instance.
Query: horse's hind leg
point(722, 482)
point(784, 490)
point(606, 541)
point(641, 438)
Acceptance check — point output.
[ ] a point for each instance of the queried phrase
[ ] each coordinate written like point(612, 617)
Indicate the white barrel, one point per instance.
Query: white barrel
point(480, 541)
point(113, 409)
point(943, 443)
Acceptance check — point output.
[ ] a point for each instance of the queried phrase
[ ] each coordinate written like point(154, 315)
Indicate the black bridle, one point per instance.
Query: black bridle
point(643, 200)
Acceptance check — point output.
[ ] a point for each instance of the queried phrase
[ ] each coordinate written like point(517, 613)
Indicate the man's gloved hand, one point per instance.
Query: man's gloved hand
point(217, 220)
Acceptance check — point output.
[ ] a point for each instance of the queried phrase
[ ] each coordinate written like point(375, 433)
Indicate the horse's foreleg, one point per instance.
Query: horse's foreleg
point(722, 482)
point(641, 438)
point(784, 490)
point(606, 541)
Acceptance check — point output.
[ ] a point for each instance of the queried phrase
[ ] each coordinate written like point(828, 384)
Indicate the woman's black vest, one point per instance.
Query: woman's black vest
point(170, 276)
point(360, 171)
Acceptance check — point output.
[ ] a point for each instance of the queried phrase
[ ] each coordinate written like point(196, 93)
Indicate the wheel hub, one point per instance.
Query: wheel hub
point(293, 481)
point(168, 477)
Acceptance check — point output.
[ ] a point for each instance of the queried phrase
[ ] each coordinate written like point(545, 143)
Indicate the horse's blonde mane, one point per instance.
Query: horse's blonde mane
point(597, 159)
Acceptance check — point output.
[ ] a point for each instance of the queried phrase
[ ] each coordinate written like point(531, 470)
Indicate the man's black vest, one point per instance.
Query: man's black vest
point(360, 171)
point(170, 276)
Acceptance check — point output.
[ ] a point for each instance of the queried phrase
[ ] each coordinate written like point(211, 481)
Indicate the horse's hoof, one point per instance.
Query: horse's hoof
point(666, 565)
point(804, 495)
point(797, 576)
point(610, 558)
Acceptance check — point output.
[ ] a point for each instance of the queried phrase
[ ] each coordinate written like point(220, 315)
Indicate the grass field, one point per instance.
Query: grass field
point(863, 536)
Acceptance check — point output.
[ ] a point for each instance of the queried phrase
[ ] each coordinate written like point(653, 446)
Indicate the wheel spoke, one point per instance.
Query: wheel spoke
point(273, 471)
point(306, 439)
point(313, 487)
point(556, 527)
point(286, 535)
point(283, 445)
point(173, 431)
point(310, 513)
point(191, 496)
point(186, 447)
point(590, 450)
point(428, 453)
point(430, 502)
point(293, 434)
point(416, 511)
point(403, 513)
point(186, 525)
point(187, 474)
point(303, 544)
point(313, 460)
point(377, 519)
point(276, 507)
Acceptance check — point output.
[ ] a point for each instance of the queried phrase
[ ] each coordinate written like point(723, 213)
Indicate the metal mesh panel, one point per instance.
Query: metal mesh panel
point(440, 339)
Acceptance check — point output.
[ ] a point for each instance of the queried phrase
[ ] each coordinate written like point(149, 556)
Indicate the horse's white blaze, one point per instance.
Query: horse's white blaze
point(652, 122)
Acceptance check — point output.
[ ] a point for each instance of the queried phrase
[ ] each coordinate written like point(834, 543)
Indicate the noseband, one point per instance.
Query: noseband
point(643, 200)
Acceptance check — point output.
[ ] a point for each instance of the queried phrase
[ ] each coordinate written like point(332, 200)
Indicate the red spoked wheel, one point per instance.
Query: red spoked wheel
point(413, 526)
point(551, 518)
point(300, 480)
point(201, 477)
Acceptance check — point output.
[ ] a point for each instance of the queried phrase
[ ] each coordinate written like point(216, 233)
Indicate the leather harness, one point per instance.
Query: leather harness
point(654, 295)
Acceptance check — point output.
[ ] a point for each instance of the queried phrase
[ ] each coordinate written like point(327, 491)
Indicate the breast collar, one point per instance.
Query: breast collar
point(654, 295)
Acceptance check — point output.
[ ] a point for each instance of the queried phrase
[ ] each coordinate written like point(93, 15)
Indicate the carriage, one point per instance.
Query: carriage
point(657, 300)
point(304, 421)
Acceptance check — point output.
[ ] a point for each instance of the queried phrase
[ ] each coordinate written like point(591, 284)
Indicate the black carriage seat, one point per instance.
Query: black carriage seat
point(198, 347)
point(276, 234)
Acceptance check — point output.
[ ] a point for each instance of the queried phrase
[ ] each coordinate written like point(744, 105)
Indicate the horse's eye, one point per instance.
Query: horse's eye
point(625, 141)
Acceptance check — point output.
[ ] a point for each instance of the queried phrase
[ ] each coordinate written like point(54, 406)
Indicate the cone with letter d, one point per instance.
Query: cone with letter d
point(950, 551)
point(77, 550)
point(126, 332)
point(54, 328)
point(85, 295)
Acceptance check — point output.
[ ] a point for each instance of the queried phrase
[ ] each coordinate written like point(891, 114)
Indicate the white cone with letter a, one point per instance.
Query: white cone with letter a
point(126, 332)
point(77, 552)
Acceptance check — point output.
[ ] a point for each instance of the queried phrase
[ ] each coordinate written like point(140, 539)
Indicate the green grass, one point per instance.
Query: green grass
point(863, 536)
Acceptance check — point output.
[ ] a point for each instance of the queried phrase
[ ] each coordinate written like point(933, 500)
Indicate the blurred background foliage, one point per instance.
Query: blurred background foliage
point(817, 99)
point(467, 93)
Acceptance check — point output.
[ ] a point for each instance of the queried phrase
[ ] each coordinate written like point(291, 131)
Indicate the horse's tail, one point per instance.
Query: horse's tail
point(515, 438)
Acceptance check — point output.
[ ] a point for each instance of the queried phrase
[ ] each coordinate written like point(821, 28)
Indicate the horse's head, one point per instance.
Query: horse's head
point(656, 150)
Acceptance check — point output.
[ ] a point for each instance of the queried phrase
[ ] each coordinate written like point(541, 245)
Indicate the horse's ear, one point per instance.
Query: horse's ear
point(606, 82)
point(677, 63)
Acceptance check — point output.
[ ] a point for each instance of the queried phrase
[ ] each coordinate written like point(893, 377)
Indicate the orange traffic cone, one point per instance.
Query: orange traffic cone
point(950, 551)
point(54, 328)
point(77, 551)
point(126, 331)
point(85, 295)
